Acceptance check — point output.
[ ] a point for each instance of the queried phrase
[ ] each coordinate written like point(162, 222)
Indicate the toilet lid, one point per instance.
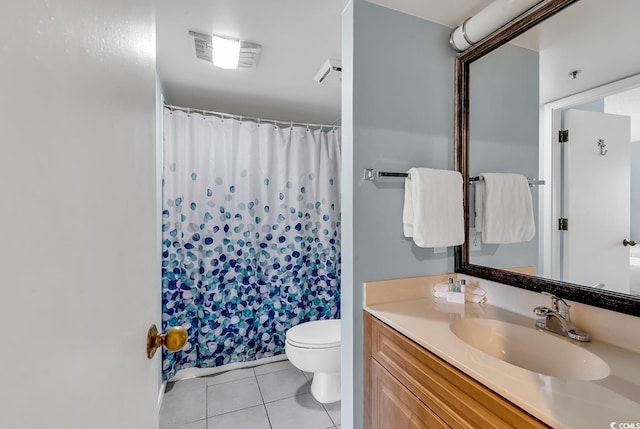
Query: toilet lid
point(315, 334)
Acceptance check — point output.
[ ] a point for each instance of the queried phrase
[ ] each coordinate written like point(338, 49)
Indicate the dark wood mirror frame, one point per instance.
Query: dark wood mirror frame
point(609, 300)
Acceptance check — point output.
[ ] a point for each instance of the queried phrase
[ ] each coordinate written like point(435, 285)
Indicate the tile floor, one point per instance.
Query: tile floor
point(271, 396)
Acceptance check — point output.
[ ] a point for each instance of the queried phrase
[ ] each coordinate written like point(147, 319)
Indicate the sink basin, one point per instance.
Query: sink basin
point(530, 349)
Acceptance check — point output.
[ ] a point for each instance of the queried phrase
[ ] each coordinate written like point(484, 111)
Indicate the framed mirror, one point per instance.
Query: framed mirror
point(511, 104)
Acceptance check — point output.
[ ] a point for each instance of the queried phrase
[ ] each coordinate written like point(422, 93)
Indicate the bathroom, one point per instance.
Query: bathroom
point(85, 190)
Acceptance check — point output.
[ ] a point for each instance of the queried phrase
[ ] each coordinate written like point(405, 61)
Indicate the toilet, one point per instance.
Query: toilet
point(315, 347)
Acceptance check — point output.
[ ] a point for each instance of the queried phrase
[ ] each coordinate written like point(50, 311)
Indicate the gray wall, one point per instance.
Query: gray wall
point(504, 127)
point(397, 113)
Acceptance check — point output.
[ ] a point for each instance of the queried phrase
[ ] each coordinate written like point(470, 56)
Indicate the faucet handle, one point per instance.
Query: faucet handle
point(559, 305)
point(542, 311)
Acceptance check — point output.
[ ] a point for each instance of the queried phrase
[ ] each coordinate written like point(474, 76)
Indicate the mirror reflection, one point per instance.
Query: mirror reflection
point(570, 72)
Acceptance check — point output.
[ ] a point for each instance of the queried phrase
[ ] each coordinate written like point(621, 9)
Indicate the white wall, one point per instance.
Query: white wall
point(397, 113)
point(348, 307)
point(79, 257)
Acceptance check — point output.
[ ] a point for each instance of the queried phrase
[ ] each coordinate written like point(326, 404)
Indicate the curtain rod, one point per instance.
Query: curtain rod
point(242, 117)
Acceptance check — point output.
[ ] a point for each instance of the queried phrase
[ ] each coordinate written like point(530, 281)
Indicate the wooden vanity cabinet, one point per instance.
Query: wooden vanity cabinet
point(407, 386)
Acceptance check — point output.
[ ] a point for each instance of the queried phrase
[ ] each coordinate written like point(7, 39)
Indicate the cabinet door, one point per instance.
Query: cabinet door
point(393, 406)
point(404, 378)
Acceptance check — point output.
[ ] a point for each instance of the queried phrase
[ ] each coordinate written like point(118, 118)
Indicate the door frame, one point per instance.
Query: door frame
point(550, 167)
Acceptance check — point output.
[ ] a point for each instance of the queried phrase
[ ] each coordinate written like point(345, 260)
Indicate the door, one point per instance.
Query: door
point(597, 199)
point(80, 254)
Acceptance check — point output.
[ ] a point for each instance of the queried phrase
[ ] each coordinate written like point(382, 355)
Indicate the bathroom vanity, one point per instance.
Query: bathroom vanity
point(411, 387)
point(422, 372)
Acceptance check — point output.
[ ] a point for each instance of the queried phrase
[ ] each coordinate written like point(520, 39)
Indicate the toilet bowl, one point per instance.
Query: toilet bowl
point(315, 347)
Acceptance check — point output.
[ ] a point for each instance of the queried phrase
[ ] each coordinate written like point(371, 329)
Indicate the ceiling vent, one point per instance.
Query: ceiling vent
point(247, 58)
point(330, 74)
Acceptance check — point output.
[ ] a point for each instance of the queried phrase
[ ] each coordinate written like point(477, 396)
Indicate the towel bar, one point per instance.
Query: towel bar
point(371, 174)
point(532, 182)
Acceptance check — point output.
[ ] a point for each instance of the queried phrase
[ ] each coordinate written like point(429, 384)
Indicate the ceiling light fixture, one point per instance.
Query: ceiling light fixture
point(485, 22)
point(224, 52)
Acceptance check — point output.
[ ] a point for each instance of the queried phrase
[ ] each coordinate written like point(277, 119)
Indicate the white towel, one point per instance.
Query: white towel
point(473, 293)
point(479, 202)
point(433, 209)
point(507, 209)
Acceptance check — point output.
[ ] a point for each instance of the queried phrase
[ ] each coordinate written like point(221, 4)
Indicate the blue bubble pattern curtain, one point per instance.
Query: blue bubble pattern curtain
point(250, 235)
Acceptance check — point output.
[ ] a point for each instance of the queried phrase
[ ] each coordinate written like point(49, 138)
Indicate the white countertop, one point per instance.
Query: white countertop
point(560, 403)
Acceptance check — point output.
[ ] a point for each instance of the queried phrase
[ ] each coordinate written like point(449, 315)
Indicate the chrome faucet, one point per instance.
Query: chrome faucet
point(556, 319)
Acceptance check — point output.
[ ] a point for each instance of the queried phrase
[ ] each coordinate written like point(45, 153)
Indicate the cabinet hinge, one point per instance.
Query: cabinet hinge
point(563, 136)
point(563, 224)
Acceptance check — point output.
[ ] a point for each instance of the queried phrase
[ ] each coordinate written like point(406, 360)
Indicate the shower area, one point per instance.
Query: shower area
point(250, 233)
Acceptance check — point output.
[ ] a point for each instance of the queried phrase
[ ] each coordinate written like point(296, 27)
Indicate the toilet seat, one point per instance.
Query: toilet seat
point(318, 334)
point(312, 346)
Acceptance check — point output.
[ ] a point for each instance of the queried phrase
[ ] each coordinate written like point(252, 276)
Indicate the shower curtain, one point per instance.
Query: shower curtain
point(251, 235)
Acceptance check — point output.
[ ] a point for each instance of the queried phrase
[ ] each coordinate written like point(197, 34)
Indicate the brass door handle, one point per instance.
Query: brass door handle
point(173, 340)
point(626, 242)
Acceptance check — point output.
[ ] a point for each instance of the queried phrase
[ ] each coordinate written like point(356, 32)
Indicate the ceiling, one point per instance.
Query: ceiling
point(449, 13)
point(297, 36)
